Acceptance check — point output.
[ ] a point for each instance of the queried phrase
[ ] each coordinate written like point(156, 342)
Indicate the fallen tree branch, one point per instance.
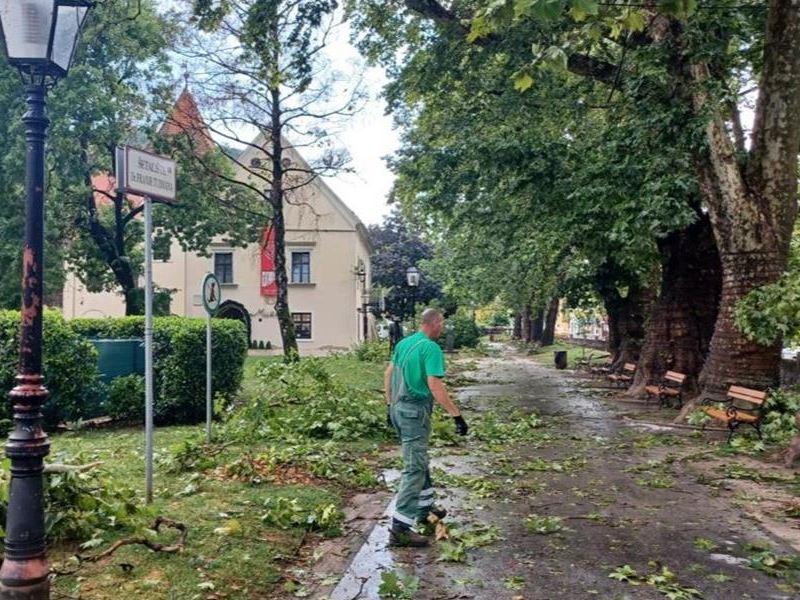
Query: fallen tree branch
point(151, 545)
point(59, 468)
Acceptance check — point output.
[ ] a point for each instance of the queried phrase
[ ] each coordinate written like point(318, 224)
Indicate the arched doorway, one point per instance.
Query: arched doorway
point(234, 310)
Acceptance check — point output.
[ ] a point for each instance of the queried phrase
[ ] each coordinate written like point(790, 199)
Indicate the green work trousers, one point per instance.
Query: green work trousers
point(412, 420)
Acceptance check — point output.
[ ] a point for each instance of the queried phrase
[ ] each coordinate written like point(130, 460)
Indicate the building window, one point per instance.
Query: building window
point(302, 325)
point(223, 266)
point(301, 267)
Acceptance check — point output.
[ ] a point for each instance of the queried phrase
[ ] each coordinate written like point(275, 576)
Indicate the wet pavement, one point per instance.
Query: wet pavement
point(618, 498)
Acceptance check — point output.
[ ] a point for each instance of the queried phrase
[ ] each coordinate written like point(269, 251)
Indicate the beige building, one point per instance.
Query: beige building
point(326, 248)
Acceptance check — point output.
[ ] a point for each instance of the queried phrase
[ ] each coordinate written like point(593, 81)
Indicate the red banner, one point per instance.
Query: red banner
point(269, 287)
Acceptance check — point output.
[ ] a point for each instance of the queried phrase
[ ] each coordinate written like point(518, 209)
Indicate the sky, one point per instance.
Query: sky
point(369, 137)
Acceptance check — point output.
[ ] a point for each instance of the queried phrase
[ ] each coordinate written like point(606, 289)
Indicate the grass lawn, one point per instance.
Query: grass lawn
point(231, 552)
point(575, 352)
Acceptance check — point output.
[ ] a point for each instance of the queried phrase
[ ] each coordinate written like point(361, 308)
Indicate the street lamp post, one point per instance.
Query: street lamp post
point(362, 277)
point(412, 277)
point(40, 38)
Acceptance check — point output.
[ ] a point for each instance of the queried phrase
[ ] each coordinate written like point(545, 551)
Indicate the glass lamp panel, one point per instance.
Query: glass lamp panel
point(68, 27)
point(26, 27)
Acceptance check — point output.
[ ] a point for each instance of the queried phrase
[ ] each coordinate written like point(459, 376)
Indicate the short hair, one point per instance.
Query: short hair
point(431, 316)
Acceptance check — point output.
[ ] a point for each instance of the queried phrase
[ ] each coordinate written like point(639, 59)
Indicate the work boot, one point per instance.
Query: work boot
point(438, 512)
point(405, 537)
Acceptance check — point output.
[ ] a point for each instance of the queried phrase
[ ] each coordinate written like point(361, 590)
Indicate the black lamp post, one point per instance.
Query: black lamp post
point(412, 277)
point(361, 272)
point(40, 38)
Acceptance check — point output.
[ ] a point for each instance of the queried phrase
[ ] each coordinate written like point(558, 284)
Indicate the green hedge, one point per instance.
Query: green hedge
point(467, 333)
point(70, 368)
point(179, 360)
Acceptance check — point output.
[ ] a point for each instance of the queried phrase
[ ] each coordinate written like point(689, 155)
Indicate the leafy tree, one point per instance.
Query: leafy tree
point(749, 191)
point(266, 73)
point(396, 249)
point(117, 92)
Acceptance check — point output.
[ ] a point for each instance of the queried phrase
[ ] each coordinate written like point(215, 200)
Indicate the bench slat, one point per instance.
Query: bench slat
point(747, 391)
point(675, 376)
point(737, 392)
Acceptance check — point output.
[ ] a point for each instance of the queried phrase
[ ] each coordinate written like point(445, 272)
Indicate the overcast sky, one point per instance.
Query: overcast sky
point(369, 137)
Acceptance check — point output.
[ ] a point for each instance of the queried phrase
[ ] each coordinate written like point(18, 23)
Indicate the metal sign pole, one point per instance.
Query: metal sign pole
point(209, 407)
point(211, 295)
point(148, 349)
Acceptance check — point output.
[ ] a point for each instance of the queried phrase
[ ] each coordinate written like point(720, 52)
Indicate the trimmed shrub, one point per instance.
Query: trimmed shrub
point(376, 351)
point(70, 368)
point(125, 400)
point(179, 360)
point(467, 332)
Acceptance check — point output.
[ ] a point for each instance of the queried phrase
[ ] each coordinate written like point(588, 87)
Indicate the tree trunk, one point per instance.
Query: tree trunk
point(517, 332)
point(752, 202)
point(681, 323)
point(537, 327)
point(549, 333)
point(526, 324)
point(626, 320)
point(733, 358)
point(282, 312)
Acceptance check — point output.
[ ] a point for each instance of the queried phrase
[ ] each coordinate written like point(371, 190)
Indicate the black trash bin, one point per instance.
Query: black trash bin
point(561, 359)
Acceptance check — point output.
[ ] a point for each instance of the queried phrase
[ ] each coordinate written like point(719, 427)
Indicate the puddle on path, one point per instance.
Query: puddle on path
point(363, 577)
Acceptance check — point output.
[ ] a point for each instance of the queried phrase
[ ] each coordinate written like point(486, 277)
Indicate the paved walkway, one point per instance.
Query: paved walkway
point(623, 499)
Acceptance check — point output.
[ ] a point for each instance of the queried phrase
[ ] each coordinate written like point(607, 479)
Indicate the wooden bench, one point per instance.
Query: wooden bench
point(744, 407)
point(624, 378)
point(670, 388)
point(585, 362)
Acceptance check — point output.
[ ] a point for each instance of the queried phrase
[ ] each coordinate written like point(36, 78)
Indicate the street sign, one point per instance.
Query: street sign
point(211, 294)
point(152, 177)
point(146, 174)
point(212, 298)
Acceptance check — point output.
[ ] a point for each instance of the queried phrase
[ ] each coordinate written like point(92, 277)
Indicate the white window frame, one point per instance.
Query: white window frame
point(301, 249)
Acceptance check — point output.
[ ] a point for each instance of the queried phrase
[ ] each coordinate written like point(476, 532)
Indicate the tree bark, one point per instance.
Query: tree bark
point(526, 324)
point(549, 333)
point(681, 323)
point(517, 331)
point(537, 327)
point(753, 205)
point(626, 324)
point(282, 312)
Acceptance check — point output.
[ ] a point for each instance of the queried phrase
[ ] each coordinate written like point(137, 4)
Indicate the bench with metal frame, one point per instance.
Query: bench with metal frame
point(625, 377)
point(670, 388)
point(745, 406)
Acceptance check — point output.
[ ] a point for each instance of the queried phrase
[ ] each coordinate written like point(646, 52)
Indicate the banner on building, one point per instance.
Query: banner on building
point(269, 287)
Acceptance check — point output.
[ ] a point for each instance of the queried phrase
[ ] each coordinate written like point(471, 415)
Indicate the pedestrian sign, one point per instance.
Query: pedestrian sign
point(212, 296)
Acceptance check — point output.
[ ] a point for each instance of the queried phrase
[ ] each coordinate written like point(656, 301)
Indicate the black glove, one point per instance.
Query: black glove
point(389, 417)
point(461, 425)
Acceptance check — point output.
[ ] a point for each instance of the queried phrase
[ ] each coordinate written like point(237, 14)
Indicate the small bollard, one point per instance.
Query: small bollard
point(450, 340)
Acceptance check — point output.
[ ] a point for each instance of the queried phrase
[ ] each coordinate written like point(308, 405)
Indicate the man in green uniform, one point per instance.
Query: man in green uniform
point(412, 381)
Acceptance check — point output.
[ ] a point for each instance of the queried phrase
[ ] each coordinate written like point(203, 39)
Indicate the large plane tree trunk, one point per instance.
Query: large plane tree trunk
point(626, 321)
point(517, 331)
point(752, 199)
point(537, 327)
point(549, 332)
point(681, 323)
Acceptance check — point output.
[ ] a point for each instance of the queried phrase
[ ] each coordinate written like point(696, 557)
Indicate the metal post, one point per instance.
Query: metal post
point(25, 571)
point(209, 407)
point(148, 350)
point(414, 306)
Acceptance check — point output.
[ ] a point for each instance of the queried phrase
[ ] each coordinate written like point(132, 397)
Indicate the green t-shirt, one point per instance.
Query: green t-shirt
point(420, 358)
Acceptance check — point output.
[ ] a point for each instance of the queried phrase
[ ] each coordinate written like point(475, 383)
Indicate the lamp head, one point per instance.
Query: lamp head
point(412, 276)
point(40, 36)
